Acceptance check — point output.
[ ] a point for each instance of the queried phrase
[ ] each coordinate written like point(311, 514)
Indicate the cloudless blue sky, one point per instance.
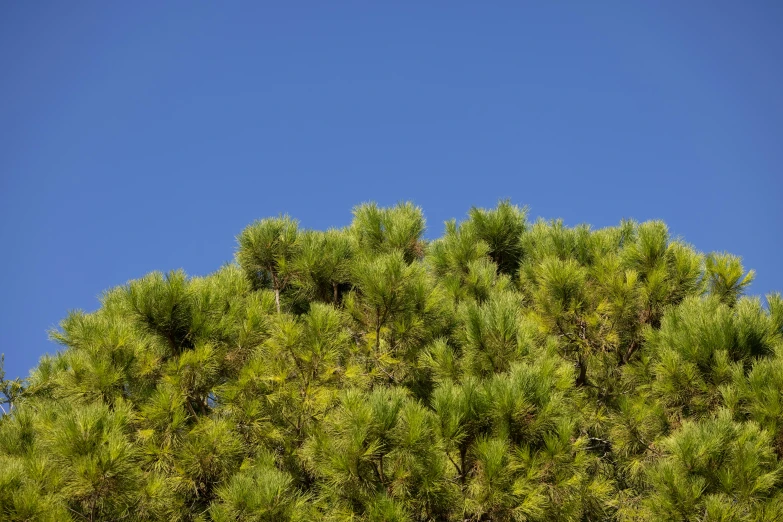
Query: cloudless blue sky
point(140, 136)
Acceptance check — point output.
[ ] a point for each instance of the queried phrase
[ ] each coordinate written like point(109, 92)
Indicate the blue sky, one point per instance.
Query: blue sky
point(140, 136)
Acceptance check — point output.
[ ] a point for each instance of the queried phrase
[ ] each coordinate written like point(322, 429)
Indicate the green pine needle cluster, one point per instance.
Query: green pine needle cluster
point(507, 371)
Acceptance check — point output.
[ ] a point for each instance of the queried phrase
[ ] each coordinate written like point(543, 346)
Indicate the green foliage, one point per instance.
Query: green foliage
point(266, 248)
point(259, 492)
point(322, 266)
point(501, 230)
point(507, 371)
point(386, 230)
point(726, 278)
point(717, 466)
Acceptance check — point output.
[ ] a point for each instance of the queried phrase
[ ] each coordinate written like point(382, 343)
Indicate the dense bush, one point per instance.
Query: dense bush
point(508, 371)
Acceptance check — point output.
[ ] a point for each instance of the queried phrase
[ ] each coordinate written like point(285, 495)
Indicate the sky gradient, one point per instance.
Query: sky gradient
point(144, 136)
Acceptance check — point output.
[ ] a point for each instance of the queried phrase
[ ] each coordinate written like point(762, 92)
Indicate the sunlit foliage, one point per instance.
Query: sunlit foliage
point(507, 371)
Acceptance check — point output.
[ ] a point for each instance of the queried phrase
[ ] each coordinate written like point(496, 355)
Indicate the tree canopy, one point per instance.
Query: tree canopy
point(507, 371)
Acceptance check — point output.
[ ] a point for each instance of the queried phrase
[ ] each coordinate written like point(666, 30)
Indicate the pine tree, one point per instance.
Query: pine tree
point(507, 371)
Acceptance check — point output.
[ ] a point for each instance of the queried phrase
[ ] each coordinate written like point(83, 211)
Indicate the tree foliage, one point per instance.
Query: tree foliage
point(507, 371)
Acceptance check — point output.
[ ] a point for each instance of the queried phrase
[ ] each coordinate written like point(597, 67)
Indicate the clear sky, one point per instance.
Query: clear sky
point(140, 136)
